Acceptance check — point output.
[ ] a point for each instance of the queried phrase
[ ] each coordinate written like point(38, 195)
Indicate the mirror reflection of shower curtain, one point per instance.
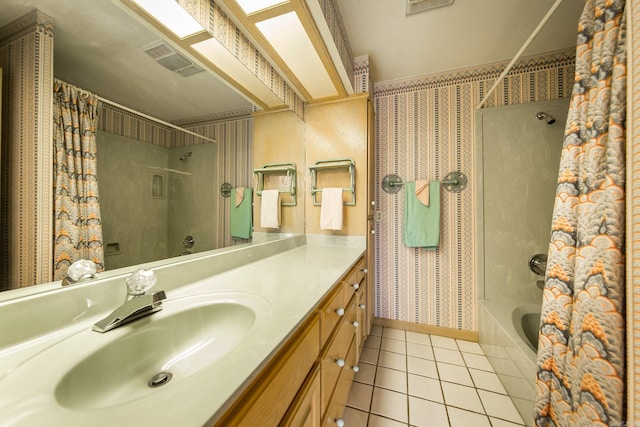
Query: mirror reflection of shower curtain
point(77, 221)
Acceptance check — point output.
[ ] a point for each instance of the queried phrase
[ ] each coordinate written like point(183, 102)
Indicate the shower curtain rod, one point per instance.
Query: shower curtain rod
point(146, 116)
point(519, 53)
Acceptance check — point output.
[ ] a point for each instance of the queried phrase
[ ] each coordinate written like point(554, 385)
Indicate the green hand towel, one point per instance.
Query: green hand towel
point(241, 216)
point(422, 223)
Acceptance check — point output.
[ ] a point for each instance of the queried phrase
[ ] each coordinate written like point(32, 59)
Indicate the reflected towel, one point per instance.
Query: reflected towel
point(241, 215)
point(331, 209)
point(422, 223)
point(422, 191)
point(270, 209)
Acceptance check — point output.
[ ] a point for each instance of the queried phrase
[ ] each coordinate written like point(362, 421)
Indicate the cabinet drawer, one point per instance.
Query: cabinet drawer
point(267, 400)
point(341, 394)
point(331, 313)
point(356, 278)
point(337, 350)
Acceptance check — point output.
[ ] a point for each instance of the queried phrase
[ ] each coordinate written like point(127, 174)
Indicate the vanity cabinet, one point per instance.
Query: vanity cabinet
point(307, 382)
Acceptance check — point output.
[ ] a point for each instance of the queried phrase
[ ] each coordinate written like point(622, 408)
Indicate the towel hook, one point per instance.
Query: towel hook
point(453, 181)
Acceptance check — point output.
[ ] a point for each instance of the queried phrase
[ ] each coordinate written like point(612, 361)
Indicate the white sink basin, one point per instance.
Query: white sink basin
point(157, 350)
point(115, 368)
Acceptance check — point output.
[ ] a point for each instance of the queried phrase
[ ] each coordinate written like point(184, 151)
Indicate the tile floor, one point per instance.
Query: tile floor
point(413, 379)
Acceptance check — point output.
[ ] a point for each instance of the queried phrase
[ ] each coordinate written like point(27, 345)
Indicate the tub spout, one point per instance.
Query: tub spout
point(135, 308)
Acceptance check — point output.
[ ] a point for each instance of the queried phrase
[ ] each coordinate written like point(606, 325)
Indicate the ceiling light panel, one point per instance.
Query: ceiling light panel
point(224, 60)
point(287, 36)
point(170, 14)
point(252, 6)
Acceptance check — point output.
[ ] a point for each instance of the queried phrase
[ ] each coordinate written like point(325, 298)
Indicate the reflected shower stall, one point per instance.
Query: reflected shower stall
point(156, 202)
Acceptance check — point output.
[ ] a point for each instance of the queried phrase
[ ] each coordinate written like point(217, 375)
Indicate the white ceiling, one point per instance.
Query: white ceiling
point(466, 33)
point(98, 46)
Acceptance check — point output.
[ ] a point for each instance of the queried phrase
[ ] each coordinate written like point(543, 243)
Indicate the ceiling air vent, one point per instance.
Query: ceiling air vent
point(164, 55)
point(417, 6)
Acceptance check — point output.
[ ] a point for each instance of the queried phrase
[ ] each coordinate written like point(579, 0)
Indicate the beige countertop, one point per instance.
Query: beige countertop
point(286, 286)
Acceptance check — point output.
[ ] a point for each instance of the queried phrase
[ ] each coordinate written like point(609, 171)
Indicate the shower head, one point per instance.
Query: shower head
point(185, 155)
point(544, 116)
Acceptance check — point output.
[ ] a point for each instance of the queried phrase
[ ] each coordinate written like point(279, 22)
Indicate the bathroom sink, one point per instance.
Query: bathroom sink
point(152, 353)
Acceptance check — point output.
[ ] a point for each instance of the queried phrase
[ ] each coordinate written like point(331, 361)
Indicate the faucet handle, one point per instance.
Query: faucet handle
point(140, 281)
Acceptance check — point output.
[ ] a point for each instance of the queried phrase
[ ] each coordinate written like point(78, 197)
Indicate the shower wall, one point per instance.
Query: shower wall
point(520, 156)
point(193, 198)
point(151, 200)
point(134, 223)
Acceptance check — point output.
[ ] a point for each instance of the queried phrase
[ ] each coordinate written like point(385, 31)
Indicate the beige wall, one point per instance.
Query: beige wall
point(338, 130)
point(279, 137)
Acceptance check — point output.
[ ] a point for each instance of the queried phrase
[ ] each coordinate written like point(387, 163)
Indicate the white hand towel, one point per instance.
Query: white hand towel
point(331, 209)
point(270, 209)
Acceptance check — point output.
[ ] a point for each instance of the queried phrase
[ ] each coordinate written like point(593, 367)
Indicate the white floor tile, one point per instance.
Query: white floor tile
point(377, 421)
point(424, 367)
point(376, 331)
point(424, 413)
point(396, 346)
point(448, 356)
point(477, 361)
point(469, 347)
point(487, 381)
point(418, 338)
point(425, 388)
point(502, 423)
point(462, 397)
point(389, 404)
point(391, 379)
point(420, 350)
point(462, 418)
point(355, 418)
point(454, 374)
point(373, 341)
point(369, 355)
point(396, 334)
point(500, 406)
point(360, 396)
point(366, 373)
point(392, 360)
point(444, 342)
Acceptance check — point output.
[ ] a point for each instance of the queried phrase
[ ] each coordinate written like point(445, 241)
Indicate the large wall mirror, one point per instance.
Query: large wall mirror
point(158, 187)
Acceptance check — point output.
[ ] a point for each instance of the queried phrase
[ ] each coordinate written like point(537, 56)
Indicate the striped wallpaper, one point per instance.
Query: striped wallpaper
point(26, 227)
point(425, 129)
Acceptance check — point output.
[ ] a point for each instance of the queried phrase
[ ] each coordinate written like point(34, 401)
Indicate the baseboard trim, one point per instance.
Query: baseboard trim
point(426, 329)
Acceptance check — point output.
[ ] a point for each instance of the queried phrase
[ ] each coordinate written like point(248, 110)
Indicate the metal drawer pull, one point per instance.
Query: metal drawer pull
point(362, 306)
point(340, 312)
point(340, 362)
point(356, 286)
point(356, 324)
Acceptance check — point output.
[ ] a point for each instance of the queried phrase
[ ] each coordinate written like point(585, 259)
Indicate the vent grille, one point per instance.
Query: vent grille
point(164, 55)
point(417, 6)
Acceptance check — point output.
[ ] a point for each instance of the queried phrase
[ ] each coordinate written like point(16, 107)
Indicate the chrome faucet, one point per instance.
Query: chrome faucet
point(139, 303)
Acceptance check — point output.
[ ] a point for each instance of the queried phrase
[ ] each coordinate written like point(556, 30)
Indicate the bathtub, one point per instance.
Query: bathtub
point(509, 338)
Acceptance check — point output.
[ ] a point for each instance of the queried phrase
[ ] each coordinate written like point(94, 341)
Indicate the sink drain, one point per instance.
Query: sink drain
point(160, 379)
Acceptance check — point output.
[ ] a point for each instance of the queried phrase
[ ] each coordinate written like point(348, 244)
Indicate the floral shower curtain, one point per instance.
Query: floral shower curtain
point(77, 223)
point(581, 356)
